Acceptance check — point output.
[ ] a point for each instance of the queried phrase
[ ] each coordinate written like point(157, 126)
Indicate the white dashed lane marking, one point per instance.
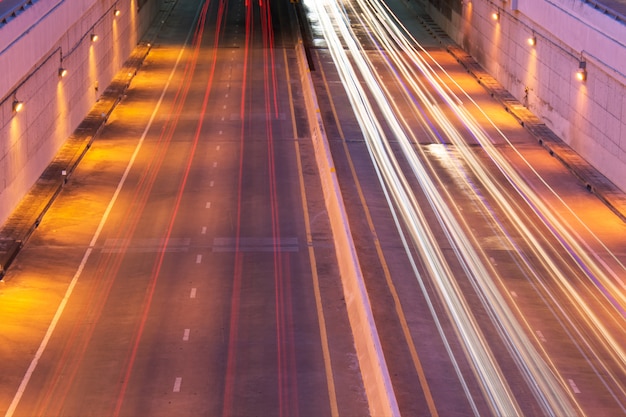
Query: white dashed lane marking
point(540, 336)
point(186, 334)
point(192, 294)
point(177, 383)
point(574, 386)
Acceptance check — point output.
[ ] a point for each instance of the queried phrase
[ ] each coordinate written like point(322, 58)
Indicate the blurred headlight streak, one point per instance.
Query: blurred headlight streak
point(405, 58)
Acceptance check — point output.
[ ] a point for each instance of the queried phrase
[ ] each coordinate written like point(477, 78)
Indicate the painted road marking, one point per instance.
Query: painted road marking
point(255, 244)
point(574, 386)
point(540, 336)
point(208, 204)
point(193, 292)
point(177, 383)
point(145, 245)
point(203, 230)
point(186, 334)
point(198, 259)
point(330, 382)
point(217, 148)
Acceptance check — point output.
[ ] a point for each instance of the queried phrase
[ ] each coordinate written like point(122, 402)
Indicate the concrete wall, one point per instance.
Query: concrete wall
point(33, 46)
point(590, 116)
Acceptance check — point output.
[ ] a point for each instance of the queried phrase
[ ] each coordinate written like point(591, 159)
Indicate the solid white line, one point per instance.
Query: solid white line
point(203, 230)
point(192, 294)
point(70, 288)
point(186, 334)
point(198, 259)
point(177, 383)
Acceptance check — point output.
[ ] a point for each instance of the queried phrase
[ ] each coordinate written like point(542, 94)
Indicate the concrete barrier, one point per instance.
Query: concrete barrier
point(378, 387)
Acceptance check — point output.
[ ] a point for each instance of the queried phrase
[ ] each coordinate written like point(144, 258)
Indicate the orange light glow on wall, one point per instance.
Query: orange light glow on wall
point(581, 74)
point(18, 106)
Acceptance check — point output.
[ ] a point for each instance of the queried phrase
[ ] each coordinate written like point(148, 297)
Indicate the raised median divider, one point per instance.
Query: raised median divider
point(378, 388)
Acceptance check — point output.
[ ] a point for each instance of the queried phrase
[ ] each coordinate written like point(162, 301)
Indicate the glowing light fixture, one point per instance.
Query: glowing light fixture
point(62, 72)
point(495, 15)
point(94, 37)
point(17, 105)
point(581, 74)
point(116, 12)
point(532, 41)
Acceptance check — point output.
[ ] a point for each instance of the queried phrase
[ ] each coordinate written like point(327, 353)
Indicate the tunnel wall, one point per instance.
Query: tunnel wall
point(590, 116)
point(34, 45)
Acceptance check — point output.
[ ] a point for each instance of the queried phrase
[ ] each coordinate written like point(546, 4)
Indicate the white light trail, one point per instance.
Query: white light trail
point(399, 50)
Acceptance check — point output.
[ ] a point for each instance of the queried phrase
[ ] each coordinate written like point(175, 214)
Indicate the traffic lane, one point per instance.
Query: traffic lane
point(158, 208)
point(566, 317)
point(79, 316)
point(597, 240)
point(269, 201)
point(59, 244)
point(68, 354)
point(462, 126)
point(442, 380)
point(36, 285)
point(559, 256)
point(477, 366)
point(506, 361)
point(256, 223)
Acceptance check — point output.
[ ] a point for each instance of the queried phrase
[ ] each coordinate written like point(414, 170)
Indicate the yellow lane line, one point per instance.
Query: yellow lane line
point(330, 382)
point(396, 300)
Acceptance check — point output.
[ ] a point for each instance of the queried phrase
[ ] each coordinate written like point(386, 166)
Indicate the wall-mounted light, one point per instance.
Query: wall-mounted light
point(581, 74)
point(495, 15)
point(17, 105)
point(94, 37)
point(532, 41)
point(116, 12)
point(62, 72)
